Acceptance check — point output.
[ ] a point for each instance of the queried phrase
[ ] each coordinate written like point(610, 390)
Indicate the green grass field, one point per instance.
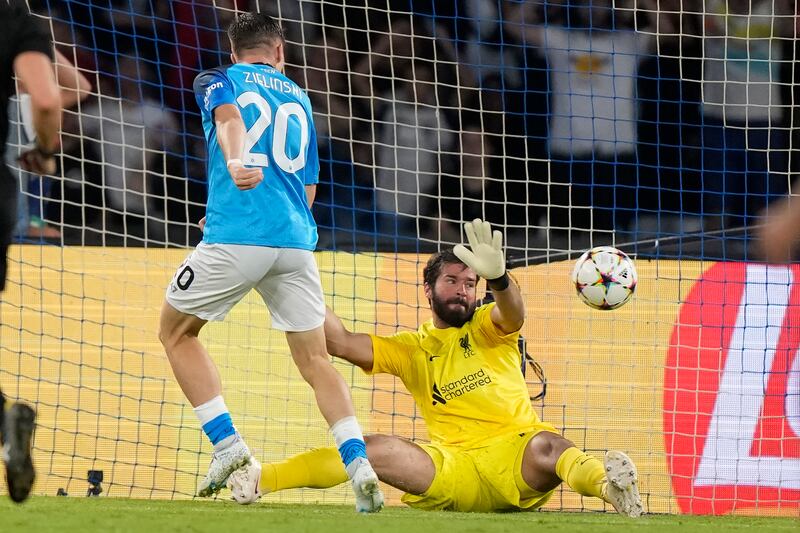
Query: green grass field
point(112, 514)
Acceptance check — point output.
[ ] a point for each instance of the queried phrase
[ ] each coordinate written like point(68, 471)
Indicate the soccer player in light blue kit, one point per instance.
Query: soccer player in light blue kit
point(259, 234)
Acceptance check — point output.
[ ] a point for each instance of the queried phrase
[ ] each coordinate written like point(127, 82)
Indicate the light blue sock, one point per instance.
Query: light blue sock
point(349, 440)
point(216, 421)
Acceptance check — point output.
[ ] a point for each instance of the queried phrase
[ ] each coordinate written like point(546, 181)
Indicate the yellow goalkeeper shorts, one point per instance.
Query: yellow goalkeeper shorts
point(481, 480)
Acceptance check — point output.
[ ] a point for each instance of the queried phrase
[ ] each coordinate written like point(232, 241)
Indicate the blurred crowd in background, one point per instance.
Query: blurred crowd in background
point(560, 120)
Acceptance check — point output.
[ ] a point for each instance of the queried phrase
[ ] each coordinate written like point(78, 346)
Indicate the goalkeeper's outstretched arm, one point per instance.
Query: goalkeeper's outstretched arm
point(485, 256)
point(509, 313)
point(353, 347)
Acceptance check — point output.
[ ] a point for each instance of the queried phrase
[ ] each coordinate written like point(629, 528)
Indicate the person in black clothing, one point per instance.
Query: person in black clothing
point(25, 50)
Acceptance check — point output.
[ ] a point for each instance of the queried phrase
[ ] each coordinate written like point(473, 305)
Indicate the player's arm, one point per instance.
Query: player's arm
point(75, 87)
point(509, 313)
point(779, 236)
point(311, 170)
point(231, 136)
point(35, 71)
point(311, 193)
point(485, 256)
point(353, 347)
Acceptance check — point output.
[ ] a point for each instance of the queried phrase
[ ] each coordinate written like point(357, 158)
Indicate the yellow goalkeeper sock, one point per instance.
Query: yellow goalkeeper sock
point(584, 473)
point(319, 468)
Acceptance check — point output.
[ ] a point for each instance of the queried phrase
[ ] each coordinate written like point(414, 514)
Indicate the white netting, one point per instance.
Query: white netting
point(564, 123)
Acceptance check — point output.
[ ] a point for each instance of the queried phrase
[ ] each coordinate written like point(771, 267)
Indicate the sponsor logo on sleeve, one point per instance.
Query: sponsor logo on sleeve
point(211, 88)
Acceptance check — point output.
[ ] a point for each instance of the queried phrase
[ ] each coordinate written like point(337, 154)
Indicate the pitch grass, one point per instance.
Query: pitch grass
point(41, 514)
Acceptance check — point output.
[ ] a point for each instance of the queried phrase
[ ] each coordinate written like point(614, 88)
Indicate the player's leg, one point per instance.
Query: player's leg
point(401, 463)
point(204, 288)
point(8, 219)
point(16, 440)
point(293, 293)
point(549, 459)
point(398, 462)
point(333, 399)
point(199, 379)
point(320, 468)
point(194, 369)
point(330, 390)
point(16, 425)
point(17, 437)
point(8, 209)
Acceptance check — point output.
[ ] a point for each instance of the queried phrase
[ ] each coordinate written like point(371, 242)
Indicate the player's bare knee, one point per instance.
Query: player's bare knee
point(313, 366)
point(172, 332)
point(547, 447)
point(162, 338)
point(400, 463)
point(166, 335)
point(309, 353)
point(378, 449)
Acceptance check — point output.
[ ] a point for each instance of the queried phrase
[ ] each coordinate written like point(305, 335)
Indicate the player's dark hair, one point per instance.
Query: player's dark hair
point(433, 269)
point(254, 30)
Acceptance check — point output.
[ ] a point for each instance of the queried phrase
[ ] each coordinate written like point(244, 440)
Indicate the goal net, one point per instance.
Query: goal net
point(662, 127)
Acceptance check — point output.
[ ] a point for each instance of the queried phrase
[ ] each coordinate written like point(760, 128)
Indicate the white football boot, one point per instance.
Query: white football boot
point(223, 463)
point(369, 497)
point(622, 489)
point(245, 482)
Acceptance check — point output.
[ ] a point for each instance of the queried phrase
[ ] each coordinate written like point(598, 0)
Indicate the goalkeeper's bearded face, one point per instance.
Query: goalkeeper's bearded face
point(453, 298)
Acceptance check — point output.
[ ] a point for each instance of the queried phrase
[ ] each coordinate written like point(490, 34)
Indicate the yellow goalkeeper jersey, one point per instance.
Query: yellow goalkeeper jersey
point(466, 381)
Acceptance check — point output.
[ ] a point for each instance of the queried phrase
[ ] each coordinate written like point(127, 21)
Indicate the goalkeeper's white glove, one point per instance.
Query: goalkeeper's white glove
point(486, 257)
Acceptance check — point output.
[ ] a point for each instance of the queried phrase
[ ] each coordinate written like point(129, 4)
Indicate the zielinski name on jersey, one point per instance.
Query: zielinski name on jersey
point(459, 387)
point(275, 84)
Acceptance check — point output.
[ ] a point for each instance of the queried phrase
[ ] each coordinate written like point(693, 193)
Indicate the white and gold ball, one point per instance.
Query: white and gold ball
point(604, 277)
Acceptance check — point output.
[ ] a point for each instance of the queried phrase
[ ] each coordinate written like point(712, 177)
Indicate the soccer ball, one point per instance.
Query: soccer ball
point(604, 277)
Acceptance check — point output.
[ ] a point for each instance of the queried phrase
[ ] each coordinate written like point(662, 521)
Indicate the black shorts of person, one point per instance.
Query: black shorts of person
point(8, 218)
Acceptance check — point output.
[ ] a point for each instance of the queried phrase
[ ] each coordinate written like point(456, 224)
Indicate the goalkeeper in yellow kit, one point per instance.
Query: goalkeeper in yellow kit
point(489, 451)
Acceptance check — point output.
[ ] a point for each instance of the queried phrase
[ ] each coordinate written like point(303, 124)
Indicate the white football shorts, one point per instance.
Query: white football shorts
point(216, 276)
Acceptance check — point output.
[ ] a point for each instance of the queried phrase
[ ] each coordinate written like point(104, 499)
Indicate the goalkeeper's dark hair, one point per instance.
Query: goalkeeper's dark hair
point(250, 31)
point(433, 269)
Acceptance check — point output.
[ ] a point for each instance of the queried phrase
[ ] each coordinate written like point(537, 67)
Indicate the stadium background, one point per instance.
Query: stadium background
point(77, 325)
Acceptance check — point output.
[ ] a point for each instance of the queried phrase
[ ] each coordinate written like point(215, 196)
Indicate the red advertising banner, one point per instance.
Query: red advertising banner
point(732, 391)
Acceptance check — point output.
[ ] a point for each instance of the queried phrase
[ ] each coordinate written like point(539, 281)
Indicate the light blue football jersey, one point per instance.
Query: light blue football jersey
point(281, 139)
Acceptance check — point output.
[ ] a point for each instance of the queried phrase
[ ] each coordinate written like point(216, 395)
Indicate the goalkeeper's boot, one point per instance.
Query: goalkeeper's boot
point(245, 483)
point(369, 498)
point(17, 441)
point(622, 488)
point(223, 463)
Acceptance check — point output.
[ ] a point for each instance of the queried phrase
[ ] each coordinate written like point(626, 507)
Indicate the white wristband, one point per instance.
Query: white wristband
point(237, 161)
